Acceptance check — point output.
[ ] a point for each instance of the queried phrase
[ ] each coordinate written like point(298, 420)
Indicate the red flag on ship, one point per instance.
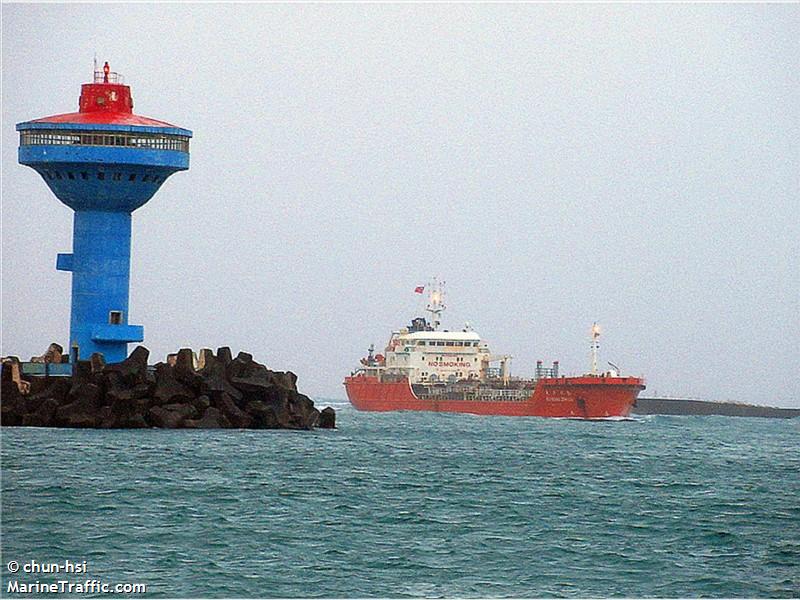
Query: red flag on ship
point(419, 289)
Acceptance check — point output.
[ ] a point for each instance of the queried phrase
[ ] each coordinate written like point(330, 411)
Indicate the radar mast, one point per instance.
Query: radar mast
point(436, 302)
point(595, 346)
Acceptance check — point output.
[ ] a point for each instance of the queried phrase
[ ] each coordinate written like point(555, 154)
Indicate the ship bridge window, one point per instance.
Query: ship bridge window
point(421, 343)
point(440, 343)
point(451, 343)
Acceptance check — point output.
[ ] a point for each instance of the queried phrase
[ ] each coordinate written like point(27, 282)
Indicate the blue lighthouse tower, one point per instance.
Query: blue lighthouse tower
point(103, 162)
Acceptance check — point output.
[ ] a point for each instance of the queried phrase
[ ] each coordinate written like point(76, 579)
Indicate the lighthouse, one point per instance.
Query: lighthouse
point(103, 162)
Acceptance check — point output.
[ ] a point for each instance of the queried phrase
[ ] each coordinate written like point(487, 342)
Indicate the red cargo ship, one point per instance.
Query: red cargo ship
point(426, 369)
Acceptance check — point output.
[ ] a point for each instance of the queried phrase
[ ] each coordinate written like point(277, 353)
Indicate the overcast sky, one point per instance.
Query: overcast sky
point(555, 164)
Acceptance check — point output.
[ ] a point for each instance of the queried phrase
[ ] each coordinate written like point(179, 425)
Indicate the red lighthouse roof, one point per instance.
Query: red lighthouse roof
point(107, 101)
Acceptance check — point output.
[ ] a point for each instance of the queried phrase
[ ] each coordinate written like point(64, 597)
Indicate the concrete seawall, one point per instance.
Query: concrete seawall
point(679, 406)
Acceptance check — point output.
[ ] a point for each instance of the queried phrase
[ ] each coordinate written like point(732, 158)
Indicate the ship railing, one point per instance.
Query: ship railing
point(507, 394)
point(543, 372)
point(481, 395)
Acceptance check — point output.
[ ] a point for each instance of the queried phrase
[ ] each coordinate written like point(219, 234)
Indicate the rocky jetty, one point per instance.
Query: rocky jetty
point(219, 391)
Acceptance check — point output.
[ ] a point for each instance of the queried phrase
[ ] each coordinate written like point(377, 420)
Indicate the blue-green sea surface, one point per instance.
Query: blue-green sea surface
point(414, 504)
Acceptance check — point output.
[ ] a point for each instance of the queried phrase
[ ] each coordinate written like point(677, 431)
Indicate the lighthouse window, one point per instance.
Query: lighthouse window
point(117, 176)
point(70, 175)
point(84, 175)
point(138, 140)
point(146, 178)
point(115, 317)
point(58, 175)
point(132, 177)
point(101, 175)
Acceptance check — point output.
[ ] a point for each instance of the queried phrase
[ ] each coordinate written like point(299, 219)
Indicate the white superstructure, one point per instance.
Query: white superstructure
point(425, 355)
point(431, 356)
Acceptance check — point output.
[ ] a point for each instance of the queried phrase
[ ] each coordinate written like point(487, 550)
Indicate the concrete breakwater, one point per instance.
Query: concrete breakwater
point(682, 406)
point(219, 392)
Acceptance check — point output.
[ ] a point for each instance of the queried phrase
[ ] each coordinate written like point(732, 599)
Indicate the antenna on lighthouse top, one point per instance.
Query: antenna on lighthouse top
point(595, 346)
point(436, 302)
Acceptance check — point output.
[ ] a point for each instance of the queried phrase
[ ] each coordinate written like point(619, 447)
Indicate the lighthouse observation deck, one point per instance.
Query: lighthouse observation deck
point(104, 157)
point(57, 137)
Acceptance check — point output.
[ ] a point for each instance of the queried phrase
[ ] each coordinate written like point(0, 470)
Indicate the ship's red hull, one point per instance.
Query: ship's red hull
point(566, 397)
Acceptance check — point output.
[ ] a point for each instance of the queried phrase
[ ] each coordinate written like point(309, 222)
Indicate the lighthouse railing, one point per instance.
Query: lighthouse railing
point(113, 77)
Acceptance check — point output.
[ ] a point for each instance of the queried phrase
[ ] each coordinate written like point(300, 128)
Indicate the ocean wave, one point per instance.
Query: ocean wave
point(402, 503)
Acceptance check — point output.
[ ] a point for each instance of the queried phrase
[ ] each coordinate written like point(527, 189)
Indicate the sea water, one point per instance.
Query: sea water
point(414, 504)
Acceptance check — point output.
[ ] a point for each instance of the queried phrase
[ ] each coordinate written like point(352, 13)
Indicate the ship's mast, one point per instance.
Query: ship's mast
point(436, 303)
point(595, 346)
